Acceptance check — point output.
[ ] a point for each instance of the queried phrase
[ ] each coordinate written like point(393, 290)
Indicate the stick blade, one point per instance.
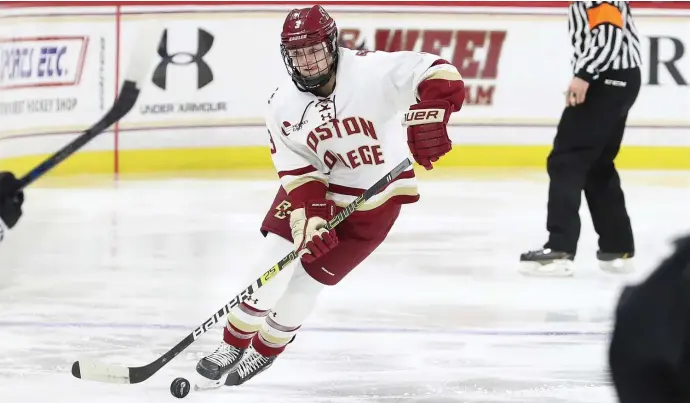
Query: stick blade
point(94, 371)
point(143, 52)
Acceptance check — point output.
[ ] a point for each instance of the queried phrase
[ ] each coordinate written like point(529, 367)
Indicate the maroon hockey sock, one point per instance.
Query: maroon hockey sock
point(265, 348)
point(236, 337)
point(280, 337)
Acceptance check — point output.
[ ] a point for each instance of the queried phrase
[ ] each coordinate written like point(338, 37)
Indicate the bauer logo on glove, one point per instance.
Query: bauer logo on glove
point(424, 116)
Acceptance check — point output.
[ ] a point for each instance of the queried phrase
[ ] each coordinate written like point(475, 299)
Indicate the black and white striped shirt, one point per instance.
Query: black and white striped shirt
point(604, 37)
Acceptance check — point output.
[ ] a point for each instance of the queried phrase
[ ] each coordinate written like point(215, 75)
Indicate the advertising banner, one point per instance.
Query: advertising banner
point(54, 76)
point(195, 78)
point(217, 64)
point(517, 67)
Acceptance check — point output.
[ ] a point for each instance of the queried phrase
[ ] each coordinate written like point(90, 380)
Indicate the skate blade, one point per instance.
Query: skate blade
point(558, 268)
point(617, 266)
point(208, 384)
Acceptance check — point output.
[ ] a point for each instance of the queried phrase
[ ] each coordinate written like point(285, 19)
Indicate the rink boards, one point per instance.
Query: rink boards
point(202, 109)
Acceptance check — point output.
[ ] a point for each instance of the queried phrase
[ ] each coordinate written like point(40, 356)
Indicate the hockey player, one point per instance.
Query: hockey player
point(336, 127)
point(10, 202)
point(649, 355)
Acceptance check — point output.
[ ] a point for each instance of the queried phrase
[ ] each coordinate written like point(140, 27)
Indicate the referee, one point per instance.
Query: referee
point(606, 66)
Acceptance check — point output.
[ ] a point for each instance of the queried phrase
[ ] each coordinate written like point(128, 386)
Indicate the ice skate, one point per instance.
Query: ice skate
point(216, 365)
point(546, 263)
point(617, 263)
point(252, 365)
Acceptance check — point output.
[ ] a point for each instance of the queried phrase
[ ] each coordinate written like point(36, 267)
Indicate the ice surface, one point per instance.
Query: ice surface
point(120, 273)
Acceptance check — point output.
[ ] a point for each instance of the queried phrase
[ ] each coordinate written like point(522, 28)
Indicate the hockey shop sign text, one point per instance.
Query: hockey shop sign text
point(41, 61)
point(39, 105)
point(475, 53)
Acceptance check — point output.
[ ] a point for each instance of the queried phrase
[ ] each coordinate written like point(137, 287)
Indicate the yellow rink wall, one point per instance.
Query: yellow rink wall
point(253, 158)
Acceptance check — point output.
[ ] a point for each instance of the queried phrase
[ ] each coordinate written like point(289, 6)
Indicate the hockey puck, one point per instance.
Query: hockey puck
point(180, 388)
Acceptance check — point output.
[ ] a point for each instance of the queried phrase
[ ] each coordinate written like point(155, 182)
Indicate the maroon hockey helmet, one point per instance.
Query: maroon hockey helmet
point(309, 46)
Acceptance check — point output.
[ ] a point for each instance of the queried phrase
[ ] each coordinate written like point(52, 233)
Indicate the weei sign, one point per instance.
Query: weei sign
point(516, 73)
point(210, 83)
point(459, 46)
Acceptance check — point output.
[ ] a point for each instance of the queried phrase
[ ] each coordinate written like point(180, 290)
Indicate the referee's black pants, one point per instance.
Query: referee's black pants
point(588, 139)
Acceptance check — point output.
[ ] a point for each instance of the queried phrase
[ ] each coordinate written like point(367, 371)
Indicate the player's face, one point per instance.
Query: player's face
point(311, 61)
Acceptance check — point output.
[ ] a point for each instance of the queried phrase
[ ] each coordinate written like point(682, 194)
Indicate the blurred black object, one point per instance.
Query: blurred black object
point(649, 354)
point(10, 199)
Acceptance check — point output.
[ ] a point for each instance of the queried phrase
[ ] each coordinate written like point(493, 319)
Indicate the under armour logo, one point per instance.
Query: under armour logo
point(204, 73)
point(324, 106)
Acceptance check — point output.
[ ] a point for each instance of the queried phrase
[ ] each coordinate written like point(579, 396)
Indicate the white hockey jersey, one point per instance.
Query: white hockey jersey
point(354, 137)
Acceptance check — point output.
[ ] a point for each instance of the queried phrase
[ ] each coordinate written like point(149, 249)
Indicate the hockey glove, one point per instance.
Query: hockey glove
point(427, 135)
point(10, 200)
point(310, 237)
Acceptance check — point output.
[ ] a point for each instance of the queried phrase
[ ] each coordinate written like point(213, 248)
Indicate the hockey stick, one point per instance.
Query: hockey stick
point(100, 372)
point(142, 56)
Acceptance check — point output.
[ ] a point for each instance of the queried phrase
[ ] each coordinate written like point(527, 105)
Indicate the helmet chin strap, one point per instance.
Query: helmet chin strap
point(312, 84)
